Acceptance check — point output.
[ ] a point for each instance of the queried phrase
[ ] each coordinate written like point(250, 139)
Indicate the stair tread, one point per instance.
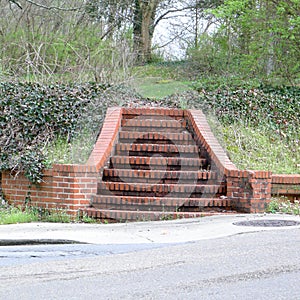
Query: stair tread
point(154, 135)
point(157, 148)
point(148, 122)
point(169, 174)
point(157, 159)
point(124, 215)
point(160, 190)
point(133, 200)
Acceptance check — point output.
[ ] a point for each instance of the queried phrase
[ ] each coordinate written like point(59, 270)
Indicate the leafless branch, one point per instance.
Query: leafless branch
point(170, 11)
point(45, 6)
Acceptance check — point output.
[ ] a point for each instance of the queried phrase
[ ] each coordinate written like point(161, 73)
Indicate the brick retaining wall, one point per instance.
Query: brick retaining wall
point(286, 185)
point(67, 187)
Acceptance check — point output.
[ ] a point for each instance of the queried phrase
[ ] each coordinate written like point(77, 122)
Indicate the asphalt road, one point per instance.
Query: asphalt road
point(250, 265)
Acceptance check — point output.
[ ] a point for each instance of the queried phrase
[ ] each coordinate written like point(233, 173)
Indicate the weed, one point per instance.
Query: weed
point(257, 148)
point(56, 215)
point(13, 215)
point(63, 152)
point(10, 214)
point(86, 219)
point(284, 205)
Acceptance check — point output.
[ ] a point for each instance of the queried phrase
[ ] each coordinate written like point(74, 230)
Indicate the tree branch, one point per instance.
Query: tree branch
point(15, 2)
point(171, 11)
point(46, 7)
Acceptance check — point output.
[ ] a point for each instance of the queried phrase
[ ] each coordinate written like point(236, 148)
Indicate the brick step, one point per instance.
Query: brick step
point(158, 163)
point(150, 111)
point(158, 176)
point(157, 204)
point(153, 129)
point(154, 123)
point(151, 149)
point(183, 138)
point(131, 216)
point(160, 190)
point(152, 117)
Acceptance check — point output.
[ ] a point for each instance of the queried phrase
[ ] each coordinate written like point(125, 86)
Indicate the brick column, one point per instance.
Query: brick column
point(250, 190)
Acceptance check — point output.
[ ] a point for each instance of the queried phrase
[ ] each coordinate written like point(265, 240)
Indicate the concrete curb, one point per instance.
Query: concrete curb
point(176, 231)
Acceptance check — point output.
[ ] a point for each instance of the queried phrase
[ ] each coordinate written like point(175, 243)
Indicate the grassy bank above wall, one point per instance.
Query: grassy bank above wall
point(45, 124)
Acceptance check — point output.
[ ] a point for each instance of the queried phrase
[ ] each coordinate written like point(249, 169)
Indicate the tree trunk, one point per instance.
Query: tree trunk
point(143, 28)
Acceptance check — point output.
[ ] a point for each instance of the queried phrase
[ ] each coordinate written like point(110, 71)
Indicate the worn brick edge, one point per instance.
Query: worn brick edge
point(209, 142)
point(107, 138)
point(286, 178)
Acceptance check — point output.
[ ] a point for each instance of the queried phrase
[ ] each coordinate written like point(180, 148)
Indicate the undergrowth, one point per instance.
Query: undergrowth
point(257, 148)
point(10, 214)
point(13, 215)
point(284, 205)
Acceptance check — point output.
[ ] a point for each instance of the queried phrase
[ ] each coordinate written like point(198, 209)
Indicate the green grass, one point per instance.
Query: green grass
point(13, 215)
point(157, 88)
point(156, 81)
point(10, 214)
point(258, 149)
point(60, 151)
point(173, 71)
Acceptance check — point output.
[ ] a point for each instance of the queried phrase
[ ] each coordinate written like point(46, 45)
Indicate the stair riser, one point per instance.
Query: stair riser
point(197, 194)
point(157, 175)
point(156, 167)
point(153, 129)
point(165, 148)
point(159, 181)
point(157, 194)
point(156, 138)
point(155, 142)
point(134, 208)
point(152, 117)
point(167, 205)
point(179, 188)
point(154, 123)
point(194, 155)
point(150, 163)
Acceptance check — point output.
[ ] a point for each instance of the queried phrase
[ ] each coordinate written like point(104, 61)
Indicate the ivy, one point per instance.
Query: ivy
point(275, 108)
point(32, 115)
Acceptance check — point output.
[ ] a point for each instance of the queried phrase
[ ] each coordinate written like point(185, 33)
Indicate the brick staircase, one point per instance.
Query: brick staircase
point(157, 170)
